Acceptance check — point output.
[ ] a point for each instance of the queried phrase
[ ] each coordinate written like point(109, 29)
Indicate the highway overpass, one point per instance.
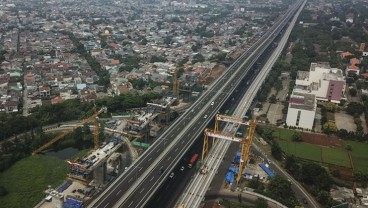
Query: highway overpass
point(135, 187)
point(195, 192)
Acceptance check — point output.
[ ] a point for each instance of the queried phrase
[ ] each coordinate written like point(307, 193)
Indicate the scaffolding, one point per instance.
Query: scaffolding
point(245, 141)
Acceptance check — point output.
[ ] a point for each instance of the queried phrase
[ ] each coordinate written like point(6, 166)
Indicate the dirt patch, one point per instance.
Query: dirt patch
point(346, 174)
point(213, 74)
point(321, 139)
point(345, 121)
point(234, 55)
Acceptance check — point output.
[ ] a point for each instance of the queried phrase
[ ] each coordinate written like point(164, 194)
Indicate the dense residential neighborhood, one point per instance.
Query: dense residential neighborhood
point(113, 76)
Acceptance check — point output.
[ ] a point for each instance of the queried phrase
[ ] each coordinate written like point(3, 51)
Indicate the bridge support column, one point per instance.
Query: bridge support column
point(99, 174)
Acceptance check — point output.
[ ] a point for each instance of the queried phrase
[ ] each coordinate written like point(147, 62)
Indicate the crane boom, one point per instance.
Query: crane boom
point(68, 132)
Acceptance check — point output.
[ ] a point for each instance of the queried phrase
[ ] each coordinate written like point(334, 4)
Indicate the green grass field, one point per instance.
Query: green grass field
point(284, 134)
point(359, 155)
point(28, 178)
point(335, 156)
point(302, 150)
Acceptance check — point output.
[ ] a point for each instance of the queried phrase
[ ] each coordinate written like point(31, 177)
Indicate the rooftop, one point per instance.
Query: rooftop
point(302, 101)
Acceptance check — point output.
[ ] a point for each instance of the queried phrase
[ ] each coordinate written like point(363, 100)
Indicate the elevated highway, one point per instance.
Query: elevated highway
point(135, 187)
point(195, 192)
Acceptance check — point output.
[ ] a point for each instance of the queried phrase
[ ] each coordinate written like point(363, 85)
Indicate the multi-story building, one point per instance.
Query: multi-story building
point(301, 111)
point(326, 83)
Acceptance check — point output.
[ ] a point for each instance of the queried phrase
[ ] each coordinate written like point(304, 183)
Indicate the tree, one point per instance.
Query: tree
point(353, 92)
point(316, 175)
point(3, 191)
point(158, 59)
point(355, 109)
point(280, 190)
point(276, 151)
point(256, 184)
point(329, 127)
point(198, 58)
point(272, 99)
point(292, 165)
point(330, 106)
point(297, 137)
point(260, 203)
point(323, 197)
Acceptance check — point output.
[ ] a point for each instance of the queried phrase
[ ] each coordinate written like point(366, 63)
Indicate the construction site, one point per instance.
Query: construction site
point(244, 165)
point(127, 137)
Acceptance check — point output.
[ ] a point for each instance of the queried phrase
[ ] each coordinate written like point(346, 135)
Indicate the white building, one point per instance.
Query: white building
point(326, 83)
point(301, 111)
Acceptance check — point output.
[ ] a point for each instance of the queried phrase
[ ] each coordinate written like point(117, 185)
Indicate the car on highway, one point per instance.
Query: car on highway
point(205, 116)
point(212, 103)
point(172, 175)
point(182, 168)
point(161, 170)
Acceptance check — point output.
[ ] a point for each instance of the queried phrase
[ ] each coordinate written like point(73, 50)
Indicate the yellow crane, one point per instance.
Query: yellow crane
point(93, 117)
point(176, 83)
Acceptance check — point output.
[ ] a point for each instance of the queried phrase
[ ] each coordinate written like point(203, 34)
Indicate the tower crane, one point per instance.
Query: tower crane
point(176, 83)
point(93, 117)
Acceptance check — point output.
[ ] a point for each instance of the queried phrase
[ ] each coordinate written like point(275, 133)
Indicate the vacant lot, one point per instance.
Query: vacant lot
point(275, 113)
point(28, 178)
point(345, 121)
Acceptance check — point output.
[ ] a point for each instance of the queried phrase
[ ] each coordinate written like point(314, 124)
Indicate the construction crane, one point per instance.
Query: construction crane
point(245, 149)
point(245, 141)
point(176, 83)
point(96, 129)
point(93, 117)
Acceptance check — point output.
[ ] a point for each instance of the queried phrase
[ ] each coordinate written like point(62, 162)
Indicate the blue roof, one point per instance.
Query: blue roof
point(73, 203)
point(237, 158)
point(81, 86)
point(266, 169)
point(233, 169)
point(229, 177)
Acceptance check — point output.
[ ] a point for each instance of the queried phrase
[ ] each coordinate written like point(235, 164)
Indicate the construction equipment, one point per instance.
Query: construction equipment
point(176, 83)
point(96, 129)
point(93, 117)
point(245, 141)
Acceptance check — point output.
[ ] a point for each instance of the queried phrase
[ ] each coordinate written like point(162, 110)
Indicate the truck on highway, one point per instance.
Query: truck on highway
point(193, 160)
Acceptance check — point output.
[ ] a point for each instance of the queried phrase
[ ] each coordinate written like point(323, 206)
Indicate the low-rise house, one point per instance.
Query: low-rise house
point(44, 91)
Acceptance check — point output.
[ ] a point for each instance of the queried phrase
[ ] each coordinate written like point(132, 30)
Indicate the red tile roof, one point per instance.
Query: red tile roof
point(334, 90)
point(295, 100)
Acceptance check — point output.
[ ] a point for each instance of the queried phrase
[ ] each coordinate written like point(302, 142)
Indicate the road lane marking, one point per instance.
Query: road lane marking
point(118, 192)
point(150, 159)
point(158, 150)
point(141, 190)
point(107, 204)
point(130, 203)
point(130, 180)
point(140, 169)
point(176, 149)
point(152, 178)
